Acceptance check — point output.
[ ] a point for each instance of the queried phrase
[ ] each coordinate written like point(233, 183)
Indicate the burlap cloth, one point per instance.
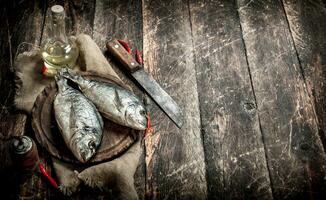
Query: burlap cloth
point(116, 175)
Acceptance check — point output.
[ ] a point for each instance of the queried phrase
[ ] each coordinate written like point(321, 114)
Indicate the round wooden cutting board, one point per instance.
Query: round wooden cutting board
point(116, 138)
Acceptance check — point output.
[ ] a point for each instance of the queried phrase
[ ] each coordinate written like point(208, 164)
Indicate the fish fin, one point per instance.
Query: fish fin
point(63, 73)
point(69, 74)
point(61, 83)
point(117, 100)
point(57, 78)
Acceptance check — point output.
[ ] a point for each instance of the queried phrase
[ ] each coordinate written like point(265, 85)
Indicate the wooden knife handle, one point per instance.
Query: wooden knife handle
point(119, 52)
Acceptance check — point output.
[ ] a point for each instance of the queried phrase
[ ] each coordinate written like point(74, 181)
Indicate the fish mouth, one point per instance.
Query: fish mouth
point(141, 124)
point(86, 155)
point(87, 151)
point(92, 145)
point(144, 121)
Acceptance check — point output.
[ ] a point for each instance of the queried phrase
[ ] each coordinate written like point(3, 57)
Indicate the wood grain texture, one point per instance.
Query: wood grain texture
point(6, 62)
point(25, 20)
point(11, 125)
point(293, 148)
point(79, 16)
point(175, 162)
point(22, 22)
point(122, 20)
point(234, 151)
point(119, 20)
point(307, 20)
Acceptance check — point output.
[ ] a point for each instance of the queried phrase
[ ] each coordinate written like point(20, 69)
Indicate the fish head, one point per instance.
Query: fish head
point(85, 146)
point(136, 116)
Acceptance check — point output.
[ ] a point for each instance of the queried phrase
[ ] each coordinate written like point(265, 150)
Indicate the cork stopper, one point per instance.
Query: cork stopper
point(58, 13)
point(57, 9)
point(24, 153)
point(21, 145)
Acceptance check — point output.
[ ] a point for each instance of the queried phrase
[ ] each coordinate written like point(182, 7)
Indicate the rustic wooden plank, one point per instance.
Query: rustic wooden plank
point(234, 151)
point(79, 15)
point(18, 26)
point(116, 19)
point(175, 164)
point(307, 20)
point(10, 125)
point(121, 20)
point(5, 64)
point(25, 19)
point(293, 148)
point(22, 23)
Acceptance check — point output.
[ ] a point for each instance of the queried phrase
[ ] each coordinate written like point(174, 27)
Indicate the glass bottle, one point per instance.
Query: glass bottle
point(58, 51)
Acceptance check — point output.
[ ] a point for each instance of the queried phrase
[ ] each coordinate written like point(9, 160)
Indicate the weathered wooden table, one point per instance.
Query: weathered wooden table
point(249, 74)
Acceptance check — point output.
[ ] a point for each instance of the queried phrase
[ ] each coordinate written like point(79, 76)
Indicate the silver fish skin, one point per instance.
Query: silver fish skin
point(114, 102)
point(79, 122)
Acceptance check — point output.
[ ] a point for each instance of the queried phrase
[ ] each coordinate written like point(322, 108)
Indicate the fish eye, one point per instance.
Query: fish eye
point(142, 112)
point(91, 144)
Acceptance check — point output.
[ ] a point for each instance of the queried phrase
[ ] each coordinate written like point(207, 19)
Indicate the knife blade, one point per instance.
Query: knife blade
point(154, 90)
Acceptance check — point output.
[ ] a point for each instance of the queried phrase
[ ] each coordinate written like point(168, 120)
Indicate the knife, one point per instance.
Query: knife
point(154, 90)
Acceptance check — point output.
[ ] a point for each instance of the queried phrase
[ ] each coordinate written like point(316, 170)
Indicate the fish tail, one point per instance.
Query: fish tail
point(70, 74)
point(61, 83)
point(57, 78)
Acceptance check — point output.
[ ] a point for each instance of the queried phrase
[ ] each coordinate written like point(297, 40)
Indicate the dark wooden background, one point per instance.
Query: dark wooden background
point(250, 76)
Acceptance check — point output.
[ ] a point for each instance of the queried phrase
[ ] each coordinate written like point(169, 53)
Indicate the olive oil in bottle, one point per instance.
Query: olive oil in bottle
point(58, 51)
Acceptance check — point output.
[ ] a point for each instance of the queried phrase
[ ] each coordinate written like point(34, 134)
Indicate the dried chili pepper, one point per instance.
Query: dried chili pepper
point(43, 69)
point(148, 129)
point(138, 56)
point(47, 176)
point(125, 45)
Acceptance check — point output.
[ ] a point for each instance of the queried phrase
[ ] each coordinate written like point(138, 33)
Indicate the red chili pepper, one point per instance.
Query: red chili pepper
point(47, 176)
point(148, 129)
point(125, 45)
point(43, 69)
point(138, 56)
